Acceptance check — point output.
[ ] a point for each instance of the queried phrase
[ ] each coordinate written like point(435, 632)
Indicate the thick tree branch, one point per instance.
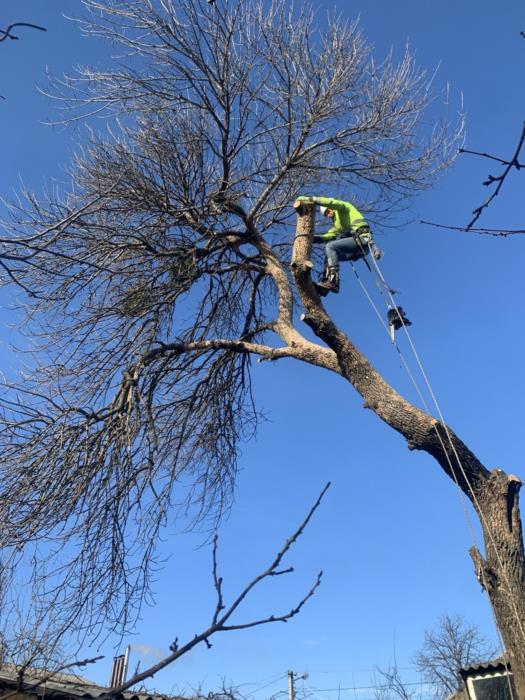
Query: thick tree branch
point(306, 352)
point(494, 495)
point(421, 431)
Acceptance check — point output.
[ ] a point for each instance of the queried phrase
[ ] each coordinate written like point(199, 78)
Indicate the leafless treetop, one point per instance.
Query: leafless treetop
point(453, 646)
point(155, 273)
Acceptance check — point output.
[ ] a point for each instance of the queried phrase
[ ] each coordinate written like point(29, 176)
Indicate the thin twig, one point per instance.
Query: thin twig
point(484, 155)
point(219, 625)
point(7, 32)
point(500, 179)
point(217, 581)
point(488, 231)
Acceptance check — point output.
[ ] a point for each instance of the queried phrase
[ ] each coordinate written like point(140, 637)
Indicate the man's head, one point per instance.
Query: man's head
point(325, 211)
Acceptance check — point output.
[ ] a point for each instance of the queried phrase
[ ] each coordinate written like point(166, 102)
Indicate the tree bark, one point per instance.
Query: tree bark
point(502, 571)
point(494, 494)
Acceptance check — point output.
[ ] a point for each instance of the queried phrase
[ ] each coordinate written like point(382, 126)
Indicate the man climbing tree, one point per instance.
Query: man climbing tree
point(348, 239)
point(133, 403)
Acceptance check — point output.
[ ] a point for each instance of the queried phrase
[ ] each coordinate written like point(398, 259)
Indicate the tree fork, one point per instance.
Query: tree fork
point(494, 494)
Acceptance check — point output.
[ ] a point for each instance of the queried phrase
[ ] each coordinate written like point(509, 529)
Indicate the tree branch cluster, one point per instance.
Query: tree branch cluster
point(149, 282)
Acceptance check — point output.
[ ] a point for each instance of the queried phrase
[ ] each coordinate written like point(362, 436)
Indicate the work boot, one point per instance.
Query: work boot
point(329, 282)
point(322, 285)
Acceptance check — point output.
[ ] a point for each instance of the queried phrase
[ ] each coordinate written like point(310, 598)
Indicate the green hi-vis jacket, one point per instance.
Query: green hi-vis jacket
point(347, 218)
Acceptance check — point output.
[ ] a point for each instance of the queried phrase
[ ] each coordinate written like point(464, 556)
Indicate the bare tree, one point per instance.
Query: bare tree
point(449, 648)
point(226, 692)
point(183, 213)
point(391, 685)
point(494, 494)
point(452, 646)
point(30, 649)
point(129, 410)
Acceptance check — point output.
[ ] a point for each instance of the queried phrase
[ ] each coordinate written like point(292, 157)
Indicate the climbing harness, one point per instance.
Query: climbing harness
point(328, 280)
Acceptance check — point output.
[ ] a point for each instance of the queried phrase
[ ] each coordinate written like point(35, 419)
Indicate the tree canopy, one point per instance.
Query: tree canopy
point(151, 280)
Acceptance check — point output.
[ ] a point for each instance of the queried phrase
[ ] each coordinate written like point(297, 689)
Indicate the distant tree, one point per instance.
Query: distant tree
point(165, 269)
point(446, 650)
point(390, 685)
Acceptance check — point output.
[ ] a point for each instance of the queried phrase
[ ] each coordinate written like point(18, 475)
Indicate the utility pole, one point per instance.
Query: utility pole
point(292, 677)
point(291, 688)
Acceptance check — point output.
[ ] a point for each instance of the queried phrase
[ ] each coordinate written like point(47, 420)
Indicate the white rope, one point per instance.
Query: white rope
point(457, 458)
point(424, 403)
point(402, 358)
point(412, 378)
point(460, 492)
point(449, 438)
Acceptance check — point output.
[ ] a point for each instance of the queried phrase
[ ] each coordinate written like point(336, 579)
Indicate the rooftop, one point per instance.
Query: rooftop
point(63, 685)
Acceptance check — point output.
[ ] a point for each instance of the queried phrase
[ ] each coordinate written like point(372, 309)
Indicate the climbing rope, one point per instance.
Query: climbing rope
point(423, 401)
point(461, 494)
point(391, 304)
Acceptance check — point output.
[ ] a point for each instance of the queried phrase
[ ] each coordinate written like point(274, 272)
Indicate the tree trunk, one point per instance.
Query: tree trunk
point(502, 571)
point(493, 494)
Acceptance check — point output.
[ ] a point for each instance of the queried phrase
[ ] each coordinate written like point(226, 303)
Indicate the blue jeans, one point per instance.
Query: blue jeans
point(343, 249)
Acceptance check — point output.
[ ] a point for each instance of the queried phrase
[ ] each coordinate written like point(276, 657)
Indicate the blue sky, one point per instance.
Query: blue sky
point(391, 536)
